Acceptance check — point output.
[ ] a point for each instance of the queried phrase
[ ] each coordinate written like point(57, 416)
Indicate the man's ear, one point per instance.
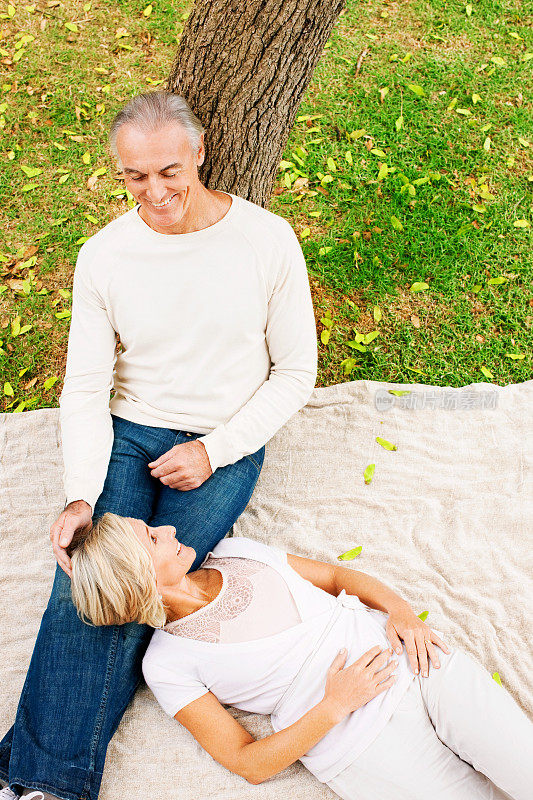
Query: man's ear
point(201, 152)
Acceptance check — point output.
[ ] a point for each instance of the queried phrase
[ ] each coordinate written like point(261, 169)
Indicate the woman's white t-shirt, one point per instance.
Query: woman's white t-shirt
point(255, 674)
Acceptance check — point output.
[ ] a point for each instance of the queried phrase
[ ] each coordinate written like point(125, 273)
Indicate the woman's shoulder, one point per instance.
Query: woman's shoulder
point(168, 654)
point(243, 547)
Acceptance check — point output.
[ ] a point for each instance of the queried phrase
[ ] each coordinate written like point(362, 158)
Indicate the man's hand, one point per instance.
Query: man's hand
point(76, 515)
point(185, 466)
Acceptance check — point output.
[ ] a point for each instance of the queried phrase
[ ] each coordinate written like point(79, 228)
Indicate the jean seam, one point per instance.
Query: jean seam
point(101, 711)
point(45, 787)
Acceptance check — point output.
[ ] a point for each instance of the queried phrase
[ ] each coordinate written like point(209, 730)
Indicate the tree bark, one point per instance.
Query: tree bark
point(243, 67)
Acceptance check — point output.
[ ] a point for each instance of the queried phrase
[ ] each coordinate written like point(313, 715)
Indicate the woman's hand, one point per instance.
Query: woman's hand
point(349, 689)
point(418, 637)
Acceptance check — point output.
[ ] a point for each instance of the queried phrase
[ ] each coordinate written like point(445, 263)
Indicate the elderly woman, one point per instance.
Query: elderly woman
point(312, 645)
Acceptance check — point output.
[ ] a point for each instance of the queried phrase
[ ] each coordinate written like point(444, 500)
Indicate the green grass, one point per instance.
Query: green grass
point(456, 195)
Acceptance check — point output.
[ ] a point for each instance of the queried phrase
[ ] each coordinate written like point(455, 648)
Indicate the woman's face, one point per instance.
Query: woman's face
point(172, 559)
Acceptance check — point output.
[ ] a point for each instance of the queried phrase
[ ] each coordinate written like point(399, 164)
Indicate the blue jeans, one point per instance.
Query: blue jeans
point(81, 678)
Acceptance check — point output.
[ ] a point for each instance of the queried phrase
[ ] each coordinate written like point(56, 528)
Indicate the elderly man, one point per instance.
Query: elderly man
point(210, 298)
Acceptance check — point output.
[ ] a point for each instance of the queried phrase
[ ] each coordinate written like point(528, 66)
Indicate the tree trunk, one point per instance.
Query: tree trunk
point(243, 66)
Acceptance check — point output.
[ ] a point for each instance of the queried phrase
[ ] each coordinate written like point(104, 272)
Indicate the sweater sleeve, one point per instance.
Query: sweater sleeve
point(291, 340)
point(85, 417)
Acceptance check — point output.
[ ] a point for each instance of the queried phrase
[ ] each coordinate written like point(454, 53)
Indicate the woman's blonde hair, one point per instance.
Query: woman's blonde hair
point(113, 577)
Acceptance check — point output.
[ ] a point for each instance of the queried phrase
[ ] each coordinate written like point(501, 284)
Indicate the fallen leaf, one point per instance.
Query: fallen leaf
point(384, 443)
point(350, 554)
point(369, 473)
point(418, 90)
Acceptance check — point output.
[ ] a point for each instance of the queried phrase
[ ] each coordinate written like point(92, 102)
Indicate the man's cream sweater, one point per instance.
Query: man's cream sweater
point(217, 330)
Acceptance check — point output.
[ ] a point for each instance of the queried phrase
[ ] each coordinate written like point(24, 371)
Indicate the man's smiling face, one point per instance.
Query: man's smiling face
point(161, 171)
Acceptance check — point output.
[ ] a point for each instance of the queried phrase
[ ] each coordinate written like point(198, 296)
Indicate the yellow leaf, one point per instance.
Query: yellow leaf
point(351, 554)
point(148, 10)
point(369, 473)
point(396, 224)
point(49, 382)
point(31, 172)
point(418, 90)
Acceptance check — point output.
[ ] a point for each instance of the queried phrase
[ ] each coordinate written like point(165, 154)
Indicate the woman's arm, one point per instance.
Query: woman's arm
point(231, 745)
point(402, 624)
point(334, 579)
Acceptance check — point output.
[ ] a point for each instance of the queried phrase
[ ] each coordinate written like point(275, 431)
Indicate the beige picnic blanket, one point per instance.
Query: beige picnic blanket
point(446, 521)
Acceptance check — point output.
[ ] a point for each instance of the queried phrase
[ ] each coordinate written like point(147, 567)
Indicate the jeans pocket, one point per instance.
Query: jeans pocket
point(254, 462)
point(257, 458)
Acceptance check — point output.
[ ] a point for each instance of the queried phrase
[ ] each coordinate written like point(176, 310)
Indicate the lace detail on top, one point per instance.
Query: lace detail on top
point(254, 602)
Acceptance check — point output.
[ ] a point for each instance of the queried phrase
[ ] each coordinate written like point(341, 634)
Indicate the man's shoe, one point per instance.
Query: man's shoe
point(7, 794)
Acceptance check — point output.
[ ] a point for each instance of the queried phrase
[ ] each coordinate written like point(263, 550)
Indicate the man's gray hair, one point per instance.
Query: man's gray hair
point(151, 111)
